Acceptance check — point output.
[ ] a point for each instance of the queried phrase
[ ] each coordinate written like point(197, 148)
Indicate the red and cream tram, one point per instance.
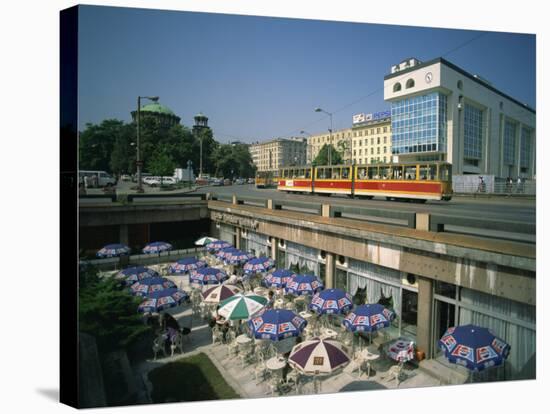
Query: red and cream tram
point(421, 181)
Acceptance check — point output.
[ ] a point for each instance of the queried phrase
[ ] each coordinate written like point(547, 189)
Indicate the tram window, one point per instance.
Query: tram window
point(345, 173)
point(432, 171)
point(302, 173)
point(445, 172)
point(336, 173)
point(308, 173)
point(410, 172)
point(283, 174)
point(362, 173)
point(424, 172)
point(397, 173)
point(321, 173)
point(384, 172)
point(373, 173)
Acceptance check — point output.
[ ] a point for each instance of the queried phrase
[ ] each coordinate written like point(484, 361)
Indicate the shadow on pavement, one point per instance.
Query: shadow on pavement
point(363, 386)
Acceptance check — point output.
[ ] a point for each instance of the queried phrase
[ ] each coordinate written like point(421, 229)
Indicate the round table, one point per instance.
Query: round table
point(279, 303)
point(243, 339)
point(275, 363)
point(329, 333)
point(306, 315)
point(260, 291)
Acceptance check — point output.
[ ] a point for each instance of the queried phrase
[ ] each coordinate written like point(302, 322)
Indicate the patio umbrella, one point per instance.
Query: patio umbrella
point(303, 285)
point(475, 347)
point(133, 274)
point(368, 318)
point(278, 278)
point(318, 356)
point(219, 293)
point(241, 306)
point(163, 299)
point(185, 265)
point(207, 276)
point(276, 325)
point(153, 284)
point(258, 265)
point(237, 257)
point(157, 247)
point(203, 241)
point(113, 250)
point(221, 253)
point(217, 245)
point(330, 301)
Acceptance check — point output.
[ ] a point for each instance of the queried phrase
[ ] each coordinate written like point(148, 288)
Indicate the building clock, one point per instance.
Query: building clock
point(429, 77)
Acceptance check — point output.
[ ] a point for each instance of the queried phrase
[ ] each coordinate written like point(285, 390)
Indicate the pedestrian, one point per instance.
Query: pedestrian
point(270, 300)
point(86, 184)
point(519, 185)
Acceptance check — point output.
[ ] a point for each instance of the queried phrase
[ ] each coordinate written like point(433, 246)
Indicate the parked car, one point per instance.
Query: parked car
point(168, 181)
point(217, 182)
point(240, 181)
point(251, 181)
point(125, 177)
point(96, 179)
point(151, 181)
point(227, 181)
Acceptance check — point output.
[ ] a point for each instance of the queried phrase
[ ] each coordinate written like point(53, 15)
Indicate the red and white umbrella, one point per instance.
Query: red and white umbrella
point(219, 293)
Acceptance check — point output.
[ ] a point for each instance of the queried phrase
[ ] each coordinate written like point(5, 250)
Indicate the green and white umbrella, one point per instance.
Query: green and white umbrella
point(203, 241)
point(241, 306)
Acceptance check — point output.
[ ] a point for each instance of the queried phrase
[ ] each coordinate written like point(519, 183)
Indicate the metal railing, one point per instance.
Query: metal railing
point(498, 188)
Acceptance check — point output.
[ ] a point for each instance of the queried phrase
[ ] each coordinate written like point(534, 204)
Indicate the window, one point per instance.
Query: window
point(378, 150)
point(360, 152)
point(378, 131)
point(509, 142)
point(371, 150)
point(373, 173)
point(385, 139)
point(525, 149)
point(378, 140)
point(473, 132)
point(361, 172)
point(345, 173)
point(459, 84)
point(385, 150)
point(397, 87)
point(410, 84)
point(410, 172)
point(372, 141)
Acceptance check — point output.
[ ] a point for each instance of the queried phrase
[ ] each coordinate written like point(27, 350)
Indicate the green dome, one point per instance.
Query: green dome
point(157, 108)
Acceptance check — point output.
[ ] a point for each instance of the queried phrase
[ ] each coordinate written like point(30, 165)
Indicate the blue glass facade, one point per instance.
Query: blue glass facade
point(473, 132)
point(419, 124)
point(509, 142)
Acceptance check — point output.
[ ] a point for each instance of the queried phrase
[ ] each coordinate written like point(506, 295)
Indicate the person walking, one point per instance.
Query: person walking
point(519, 189)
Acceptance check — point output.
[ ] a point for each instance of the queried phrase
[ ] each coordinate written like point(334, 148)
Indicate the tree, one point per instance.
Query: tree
point(123, 155)
point(108, 312)
point(96, 144)
point(322, 156)
point(232, 160)
point(162, 163)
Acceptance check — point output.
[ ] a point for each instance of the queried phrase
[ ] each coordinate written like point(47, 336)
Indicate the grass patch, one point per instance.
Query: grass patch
point(194, 378)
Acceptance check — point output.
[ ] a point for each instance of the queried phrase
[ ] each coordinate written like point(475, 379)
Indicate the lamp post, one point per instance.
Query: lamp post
point(138, 159)
point(330, 134)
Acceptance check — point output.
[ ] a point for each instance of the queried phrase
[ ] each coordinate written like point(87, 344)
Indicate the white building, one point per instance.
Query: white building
point(441, 112)
point(280, 152)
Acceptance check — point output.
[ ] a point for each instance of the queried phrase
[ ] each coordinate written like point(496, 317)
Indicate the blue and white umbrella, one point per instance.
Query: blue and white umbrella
point(217, 245)
point(157, 247)
point(134, 274)
point(207, 276)
point(237, 257)
point(153, 284)
point(303, 285)
point(258, 265)
point(185, 265)
point(277, 324)
point(225, 251)
point(331, 301)
point(474, 347)
point(163, 299)
point(113, 250)
point(278, 278)
point(368, 318)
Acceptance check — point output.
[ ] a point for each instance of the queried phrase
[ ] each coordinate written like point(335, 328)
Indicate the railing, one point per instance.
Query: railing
point(498, 188)
point(168, 197)
point(524, 232)
point(395, 217)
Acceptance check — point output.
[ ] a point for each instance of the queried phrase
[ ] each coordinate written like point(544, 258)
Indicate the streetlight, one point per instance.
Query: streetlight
point(138, 160)
point(330, 134)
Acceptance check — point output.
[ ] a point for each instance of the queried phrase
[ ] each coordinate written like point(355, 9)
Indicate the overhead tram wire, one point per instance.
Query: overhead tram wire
point(460, 46)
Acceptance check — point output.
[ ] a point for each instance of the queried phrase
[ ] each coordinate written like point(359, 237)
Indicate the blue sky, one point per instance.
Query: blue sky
point(259, 77)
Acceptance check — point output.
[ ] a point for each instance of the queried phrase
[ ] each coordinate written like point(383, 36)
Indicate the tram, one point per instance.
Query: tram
point(420, 181)
point(265, 179)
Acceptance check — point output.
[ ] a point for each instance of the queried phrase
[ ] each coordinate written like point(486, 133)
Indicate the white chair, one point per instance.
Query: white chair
point(158, 345)
point(395, 372)
point(260, 372)
point(293, 379)
point(177, 342)
point(217, 336)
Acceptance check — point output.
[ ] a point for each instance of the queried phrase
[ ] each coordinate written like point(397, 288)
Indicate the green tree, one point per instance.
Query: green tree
point(123, 155)
point(108, 312)
point(96, 144)
point(322, 156)
point(233, 160)
point(162, 163)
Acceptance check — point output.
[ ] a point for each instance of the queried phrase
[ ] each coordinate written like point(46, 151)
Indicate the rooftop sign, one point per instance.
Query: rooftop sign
point(360, 118)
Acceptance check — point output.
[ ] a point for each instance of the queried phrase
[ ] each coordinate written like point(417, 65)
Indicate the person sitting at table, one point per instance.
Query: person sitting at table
point(270, 300)
point(233, 280)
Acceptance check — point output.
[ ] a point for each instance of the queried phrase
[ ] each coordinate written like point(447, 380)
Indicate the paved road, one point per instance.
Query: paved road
point(497, 208)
